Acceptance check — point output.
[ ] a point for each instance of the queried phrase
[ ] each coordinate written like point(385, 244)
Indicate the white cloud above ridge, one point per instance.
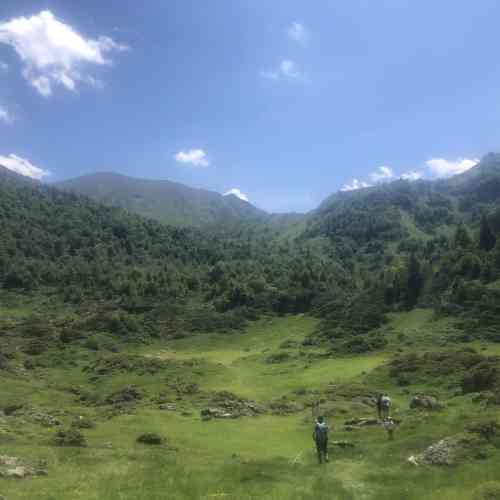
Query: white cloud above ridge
point(195, 157)
point(236, 192)
point(382, 174)
point(286, 70)
point(355, 185)
point(53, 53)
point(23, 167)
point(441, 167)
point(413, 175)
point(297, 32)
point(5, 116)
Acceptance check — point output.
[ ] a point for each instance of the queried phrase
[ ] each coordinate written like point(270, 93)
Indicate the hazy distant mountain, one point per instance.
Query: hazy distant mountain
point(163, 200)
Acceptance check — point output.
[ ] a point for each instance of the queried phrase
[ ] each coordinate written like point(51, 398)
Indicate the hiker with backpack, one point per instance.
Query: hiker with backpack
point(385, 402)
point(320, 437)
point(379, 405)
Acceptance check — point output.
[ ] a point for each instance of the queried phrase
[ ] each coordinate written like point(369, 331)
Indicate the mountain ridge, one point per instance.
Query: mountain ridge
point(164, 200)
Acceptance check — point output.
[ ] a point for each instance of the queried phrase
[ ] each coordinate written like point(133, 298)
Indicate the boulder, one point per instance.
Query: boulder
point(128, 394)
point(342, 444)
point(452, 450)
point(13, 467)
point(425, 402)
point(168, 407)
point(361, 422)
point(228, 405)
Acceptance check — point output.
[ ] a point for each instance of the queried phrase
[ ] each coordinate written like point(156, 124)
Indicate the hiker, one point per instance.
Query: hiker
point(379, 405)
point(389, 426)
point(320, 437)
point(386, 406)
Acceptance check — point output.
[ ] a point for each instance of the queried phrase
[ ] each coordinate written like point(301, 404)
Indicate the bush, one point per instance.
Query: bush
point(69, 437)
point(92, 344)
point(83, 423)
point(487, 429)
point(35, 347)
point(150, 438)
point(3, 361)
point(482, 378)
point(488, 491)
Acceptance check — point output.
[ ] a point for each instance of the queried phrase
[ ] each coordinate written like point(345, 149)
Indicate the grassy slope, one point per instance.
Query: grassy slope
point(269, 457)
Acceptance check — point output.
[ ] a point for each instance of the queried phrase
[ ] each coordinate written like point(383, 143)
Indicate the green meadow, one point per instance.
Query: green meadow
point(269, 456)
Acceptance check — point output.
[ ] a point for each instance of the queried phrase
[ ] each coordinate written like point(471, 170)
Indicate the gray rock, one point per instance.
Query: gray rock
point(168, 407)
point(361, 422)
point(425, 402)
point(343, 444)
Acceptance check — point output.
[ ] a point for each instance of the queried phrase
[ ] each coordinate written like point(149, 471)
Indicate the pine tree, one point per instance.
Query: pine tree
point(415, 282)
point(487, 239)
point(462, 237)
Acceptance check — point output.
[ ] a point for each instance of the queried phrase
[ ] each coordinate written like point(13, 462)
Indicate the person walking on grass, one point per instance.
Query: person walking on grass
point(320, 437)
point(386, 406)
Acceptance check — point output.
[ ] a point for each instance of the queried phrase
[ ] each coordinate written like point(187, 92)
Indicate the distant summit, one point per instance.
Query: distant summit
point(166, 201)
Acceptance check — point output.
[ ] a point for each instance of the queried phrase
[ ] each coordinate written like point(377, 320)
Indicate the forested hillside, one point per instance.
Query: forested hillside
point(359, 256)
point(86, 252)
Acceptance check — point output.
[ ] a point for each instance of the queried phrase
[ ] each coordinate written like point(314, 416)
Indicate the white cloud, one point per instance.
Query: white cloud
point(53, 53)
point(298, 32)
point(382, 174)
point(3, 66)
point(22, 166)
point(5, 116)
point(196, 157)
point(287, 70)
point(412, 176)
point(354, 185)
point(444, 168)
point(236, 192)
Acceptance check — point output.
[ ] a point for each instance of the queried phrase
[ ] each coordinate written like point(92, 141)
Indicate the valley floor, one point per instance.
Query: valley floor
point(268, 456)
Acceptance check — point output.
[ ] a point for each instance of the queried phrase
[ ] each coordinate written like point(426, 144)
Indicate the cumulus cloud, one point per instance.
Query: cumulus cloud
point(354, 185)
point(196, 157)
point(440, 167)
point(236, 192)
point(22, 166)
point(53, 53)
point(287, 70)
point(5, 116)
point(297, 32)
point(382, 174)
point(412, 176)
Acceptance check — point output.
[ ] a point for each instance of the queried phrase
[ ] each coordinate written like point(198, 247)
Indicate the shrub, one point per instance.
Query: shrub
point(150, 438)
point(487, 429)
point(69, 437)
point(3, 361)
point(35, 347)
point(92, 344)
point(481, 378)
point(488, 491)
point(83, 423)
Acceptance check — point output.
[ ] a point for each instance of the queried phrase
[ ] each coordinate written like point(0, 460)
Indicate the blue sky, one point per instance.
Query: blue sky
point(284, 100)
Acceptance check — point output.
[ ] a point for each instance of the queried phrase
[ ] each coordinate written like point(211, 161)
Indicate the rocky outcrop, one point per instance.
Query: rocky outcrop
point(13, 467)
point(425, 402)
point(359, 423)
point(451, 451)
point(227, 405)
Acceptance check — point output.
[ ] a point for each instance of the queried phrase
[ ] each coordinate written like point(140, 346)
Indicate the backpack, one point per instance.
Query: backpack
point(321, 433)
